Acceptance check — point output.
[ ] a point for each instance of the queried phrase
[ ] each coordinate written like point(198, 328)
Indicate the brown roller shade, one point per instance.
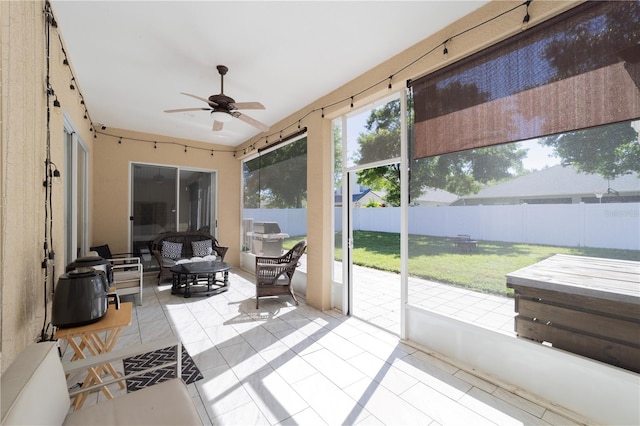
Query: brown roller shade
point(578, 70)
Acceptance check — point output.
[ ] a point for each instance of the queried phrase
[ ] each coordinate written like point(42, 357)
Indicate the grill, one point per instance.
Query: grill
point(266, 239)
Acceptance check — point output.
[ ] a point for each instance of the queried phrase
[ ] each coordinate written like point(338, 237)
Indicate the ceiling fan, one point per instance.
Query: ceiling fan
point(223, 108)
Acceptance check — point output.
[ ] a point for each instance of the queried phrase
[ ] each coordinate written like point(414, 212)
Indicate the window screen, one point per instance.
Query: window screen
point(578, 70)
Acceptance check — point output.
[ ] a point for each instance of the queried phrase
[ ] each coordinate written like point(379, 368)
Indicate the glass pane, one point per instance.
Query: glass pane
point(69, 246)
point(374, 135)
point(154, 203)
point(275, 191)
point(195, 201)
point(337, 191)
point(478, 215)
point(80, 201)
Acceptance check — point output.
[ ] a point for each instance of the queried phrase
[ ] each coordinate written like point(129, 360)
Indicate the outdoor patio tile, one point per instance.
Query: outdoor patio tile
point(260, 339)
point(222, 335)
point(282, 346)
point(443, 410)
point(202, 412)
point(498, 410)
point(208, 318)
point(275, 325)
point(247, 414)
point(384, 373)
point(333, 367)
point(331, 403)
point(150, 332)
point(298, 342)
point(205, 354)
point(386, 406)
point(339, 346)
point(275, 398)
point(306, 417)
point(221, 391)
point(192, 333)
point(433, 377)
point(287, 364)
point(129, 340)
point(243, 359)
point(150, 314)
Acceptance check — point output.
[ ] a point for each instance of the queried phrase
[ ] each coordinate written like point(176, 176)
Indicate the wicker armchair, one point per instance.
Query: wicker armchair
point(274, 275)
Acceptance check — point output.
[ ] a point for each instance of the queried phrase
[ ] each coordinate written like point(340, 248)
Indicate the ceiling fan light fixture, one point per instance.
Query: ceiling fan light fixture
point(223, 117)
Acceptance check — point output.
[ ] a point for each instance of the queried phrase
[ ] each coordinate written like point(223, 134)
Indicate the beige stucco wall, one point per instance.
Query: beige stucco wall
point(23, 113)
point(23, 144)
point(111, 177)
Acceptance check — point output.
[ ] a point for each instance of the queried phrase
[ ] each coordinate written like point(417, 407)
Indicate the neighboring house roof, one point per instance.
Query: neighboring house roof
point(434, 196)
point(558, 181)
point(357, 197)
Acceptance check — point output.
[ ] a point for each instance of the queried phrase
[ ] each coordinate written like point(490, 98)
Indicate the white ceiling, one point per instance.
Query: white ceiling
point(132, 59)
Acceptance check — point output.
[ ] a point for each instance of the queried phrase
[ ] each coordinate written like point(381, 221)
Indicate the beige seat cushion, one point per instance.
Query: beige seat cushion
point(167, 403)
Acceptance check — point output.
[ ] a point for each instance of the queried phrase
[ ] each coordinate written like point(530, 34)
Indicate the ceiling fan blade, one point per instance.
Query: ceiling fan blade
point(187, 109)
point(252, 121)
point(217, 125)
point(247, 105)
point(200, 98)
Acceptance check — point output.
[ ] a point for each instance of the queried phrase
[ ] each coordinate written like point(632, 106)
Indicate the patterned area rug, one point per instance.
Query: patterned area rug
point(190, 372)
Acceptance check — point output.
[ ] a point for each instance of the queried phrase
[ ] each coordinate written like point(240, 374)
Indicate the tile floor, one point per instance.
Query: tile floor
point(294, 365)
point(486, 310)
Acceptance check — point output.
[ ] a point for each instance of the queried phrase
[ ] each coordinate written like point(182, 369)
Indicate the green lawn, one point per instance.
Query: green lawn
point(482, 269)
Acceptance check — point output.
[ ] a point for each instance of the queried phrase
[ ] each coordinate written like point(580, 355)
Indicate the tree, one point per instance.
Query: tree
point(610, 151)
point(460, 173)
point(277, 179)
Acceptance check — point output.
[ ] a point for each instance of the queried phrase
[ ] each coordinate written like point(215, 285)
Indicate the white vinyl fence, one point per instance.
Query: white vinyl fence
point(610, 225)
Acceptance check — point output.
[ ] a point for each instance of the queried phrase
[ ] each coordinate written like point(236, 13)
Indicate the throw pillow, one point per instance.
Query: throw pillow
point(171, 250)
point(201, 248)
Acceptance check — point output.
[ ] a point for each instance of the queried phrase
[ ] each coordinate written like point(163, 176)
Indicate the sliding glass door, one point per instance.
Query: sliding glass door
point(166, 199)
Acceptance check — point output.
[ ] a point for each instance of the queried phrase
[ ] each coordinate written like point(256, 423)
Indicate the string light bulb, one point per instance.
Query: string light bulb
point(527, 17)
point(445, 51)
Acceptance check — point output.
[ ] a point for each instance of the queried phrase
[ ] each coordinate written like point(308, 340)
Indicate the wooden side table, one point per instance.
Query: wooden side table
point(87, 338)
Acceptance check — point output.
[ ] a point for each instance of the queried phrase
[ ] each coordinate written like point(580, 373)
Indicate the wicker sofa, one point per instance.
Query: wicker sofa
point(171, 247)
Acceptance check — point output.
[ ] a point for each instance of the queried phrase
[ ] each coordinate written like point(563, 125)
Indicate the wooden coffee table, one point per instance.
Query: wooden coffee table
point(199, 278)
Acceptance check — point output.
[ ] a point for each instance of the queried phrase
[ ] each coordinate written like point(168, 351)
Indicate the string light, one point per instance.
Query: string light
point(527, 17)
point(120, 141)
point(525, 22)
point(445, 51)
